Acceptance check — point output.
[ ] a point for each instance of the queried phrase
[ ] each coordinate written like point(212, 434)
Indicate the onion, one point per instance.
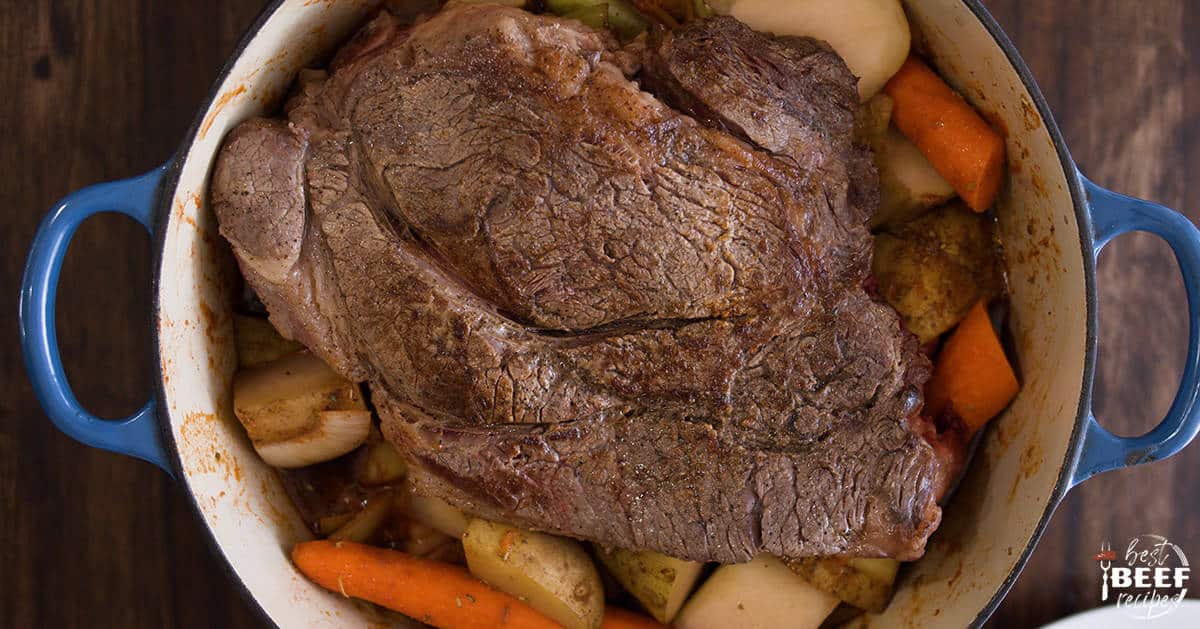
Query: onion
point(298, 411)
point(333, 434)
point(362, 527)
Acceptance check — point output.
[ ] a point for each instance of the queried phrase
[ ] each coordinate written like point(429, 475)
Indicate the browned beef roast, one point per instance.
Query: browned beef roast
point(583, 311)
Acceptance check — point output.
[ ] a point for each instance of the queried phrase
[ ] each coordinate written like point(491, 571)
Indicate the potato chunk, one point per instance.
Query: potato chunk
point(660, 583)
point(863, 583)
point(381, 464)
point(908, 183)
point(553, 575)
point(762, 593)
point(437, 514)
point(934, 268)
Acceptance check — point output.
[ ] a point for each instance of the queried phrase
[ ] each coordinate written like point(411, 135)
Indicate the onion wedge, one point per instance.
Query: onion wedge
point(334, 433)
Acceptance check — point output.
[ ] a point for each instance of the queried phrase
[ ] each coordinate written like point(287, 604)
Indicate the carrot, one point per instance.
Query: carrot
point(972, 376)
point(949, 132)
point(433, 592)
point(617, 618)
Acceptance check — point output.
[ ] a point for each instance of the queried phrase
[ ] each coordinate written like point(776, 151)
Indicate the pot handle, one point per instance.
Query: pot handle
point(137, 435)
point(1112, 215)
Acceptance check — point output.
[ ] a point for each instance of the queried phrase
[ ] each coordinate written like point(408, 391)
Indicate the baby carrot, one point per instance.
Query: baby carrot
point(433, 592)
point(972, 375)
point(617, 618)
point(949, 132)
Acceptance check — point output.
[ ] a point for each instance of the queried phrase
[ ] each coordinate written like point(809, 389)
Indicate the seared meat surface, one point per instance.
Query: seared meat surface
point(583, 311)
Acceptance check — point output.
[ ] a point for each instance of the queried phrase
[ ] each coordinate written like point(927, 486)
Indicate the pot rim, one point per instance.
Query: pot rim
point(1083, 219)
point(166, 194)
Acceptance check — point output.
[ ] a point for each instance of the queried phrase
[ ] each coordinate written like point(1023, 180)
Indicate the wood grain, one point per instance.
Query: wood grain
point(97, 90)
point(103, 89)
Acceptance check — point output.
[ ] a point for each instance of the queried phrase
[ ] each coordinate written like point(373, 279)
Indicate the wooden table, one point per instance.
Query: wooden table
point(97, 90)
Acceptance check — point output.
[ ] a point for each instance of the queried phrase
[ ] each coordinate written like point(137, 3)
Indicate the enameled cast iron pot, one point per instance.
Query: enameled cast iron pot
point(1053, 223)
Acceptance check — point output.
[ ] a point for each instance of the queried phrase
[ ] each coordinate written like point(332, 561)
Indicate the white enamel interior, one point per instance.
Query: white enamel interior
point(987, 525)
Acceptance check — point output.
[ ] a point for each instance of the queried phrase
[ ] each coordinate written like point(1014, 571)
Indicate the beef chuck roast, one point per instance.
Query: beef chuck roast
point(583, 311)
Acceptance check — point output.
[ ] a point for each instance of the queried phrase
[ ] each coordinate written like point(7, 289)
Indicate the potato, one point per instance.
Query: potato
point(880, 569)
point(930, 292)
point(762, 593)
point(381, 464)
point(437, 514)
point(258, 342)
point(934, 268)
point(863, 583)
point(660, 583)
point(553, 575)
point(963, 235)
point(908, 183)
point(871, 35)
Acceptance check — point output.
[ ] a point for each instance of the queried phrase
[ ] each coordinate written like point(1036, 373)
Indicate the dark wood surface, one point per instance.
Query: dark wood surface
point(102, 89)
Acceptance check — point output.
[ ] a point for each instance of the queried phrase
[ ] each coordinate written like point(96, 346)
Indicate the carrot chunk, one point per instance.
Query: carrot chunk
point(972, 376)
point(949, 132)
point(433, 592)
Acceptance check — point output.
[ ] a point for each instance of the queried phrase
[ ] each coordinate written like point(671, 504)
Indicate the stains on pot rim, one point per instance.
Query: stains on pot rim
point(218, 105)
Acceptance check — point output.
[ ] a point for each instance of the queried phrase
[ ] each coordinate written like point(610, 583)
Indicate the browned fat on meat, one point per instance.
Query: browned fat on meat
point(625, 316)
